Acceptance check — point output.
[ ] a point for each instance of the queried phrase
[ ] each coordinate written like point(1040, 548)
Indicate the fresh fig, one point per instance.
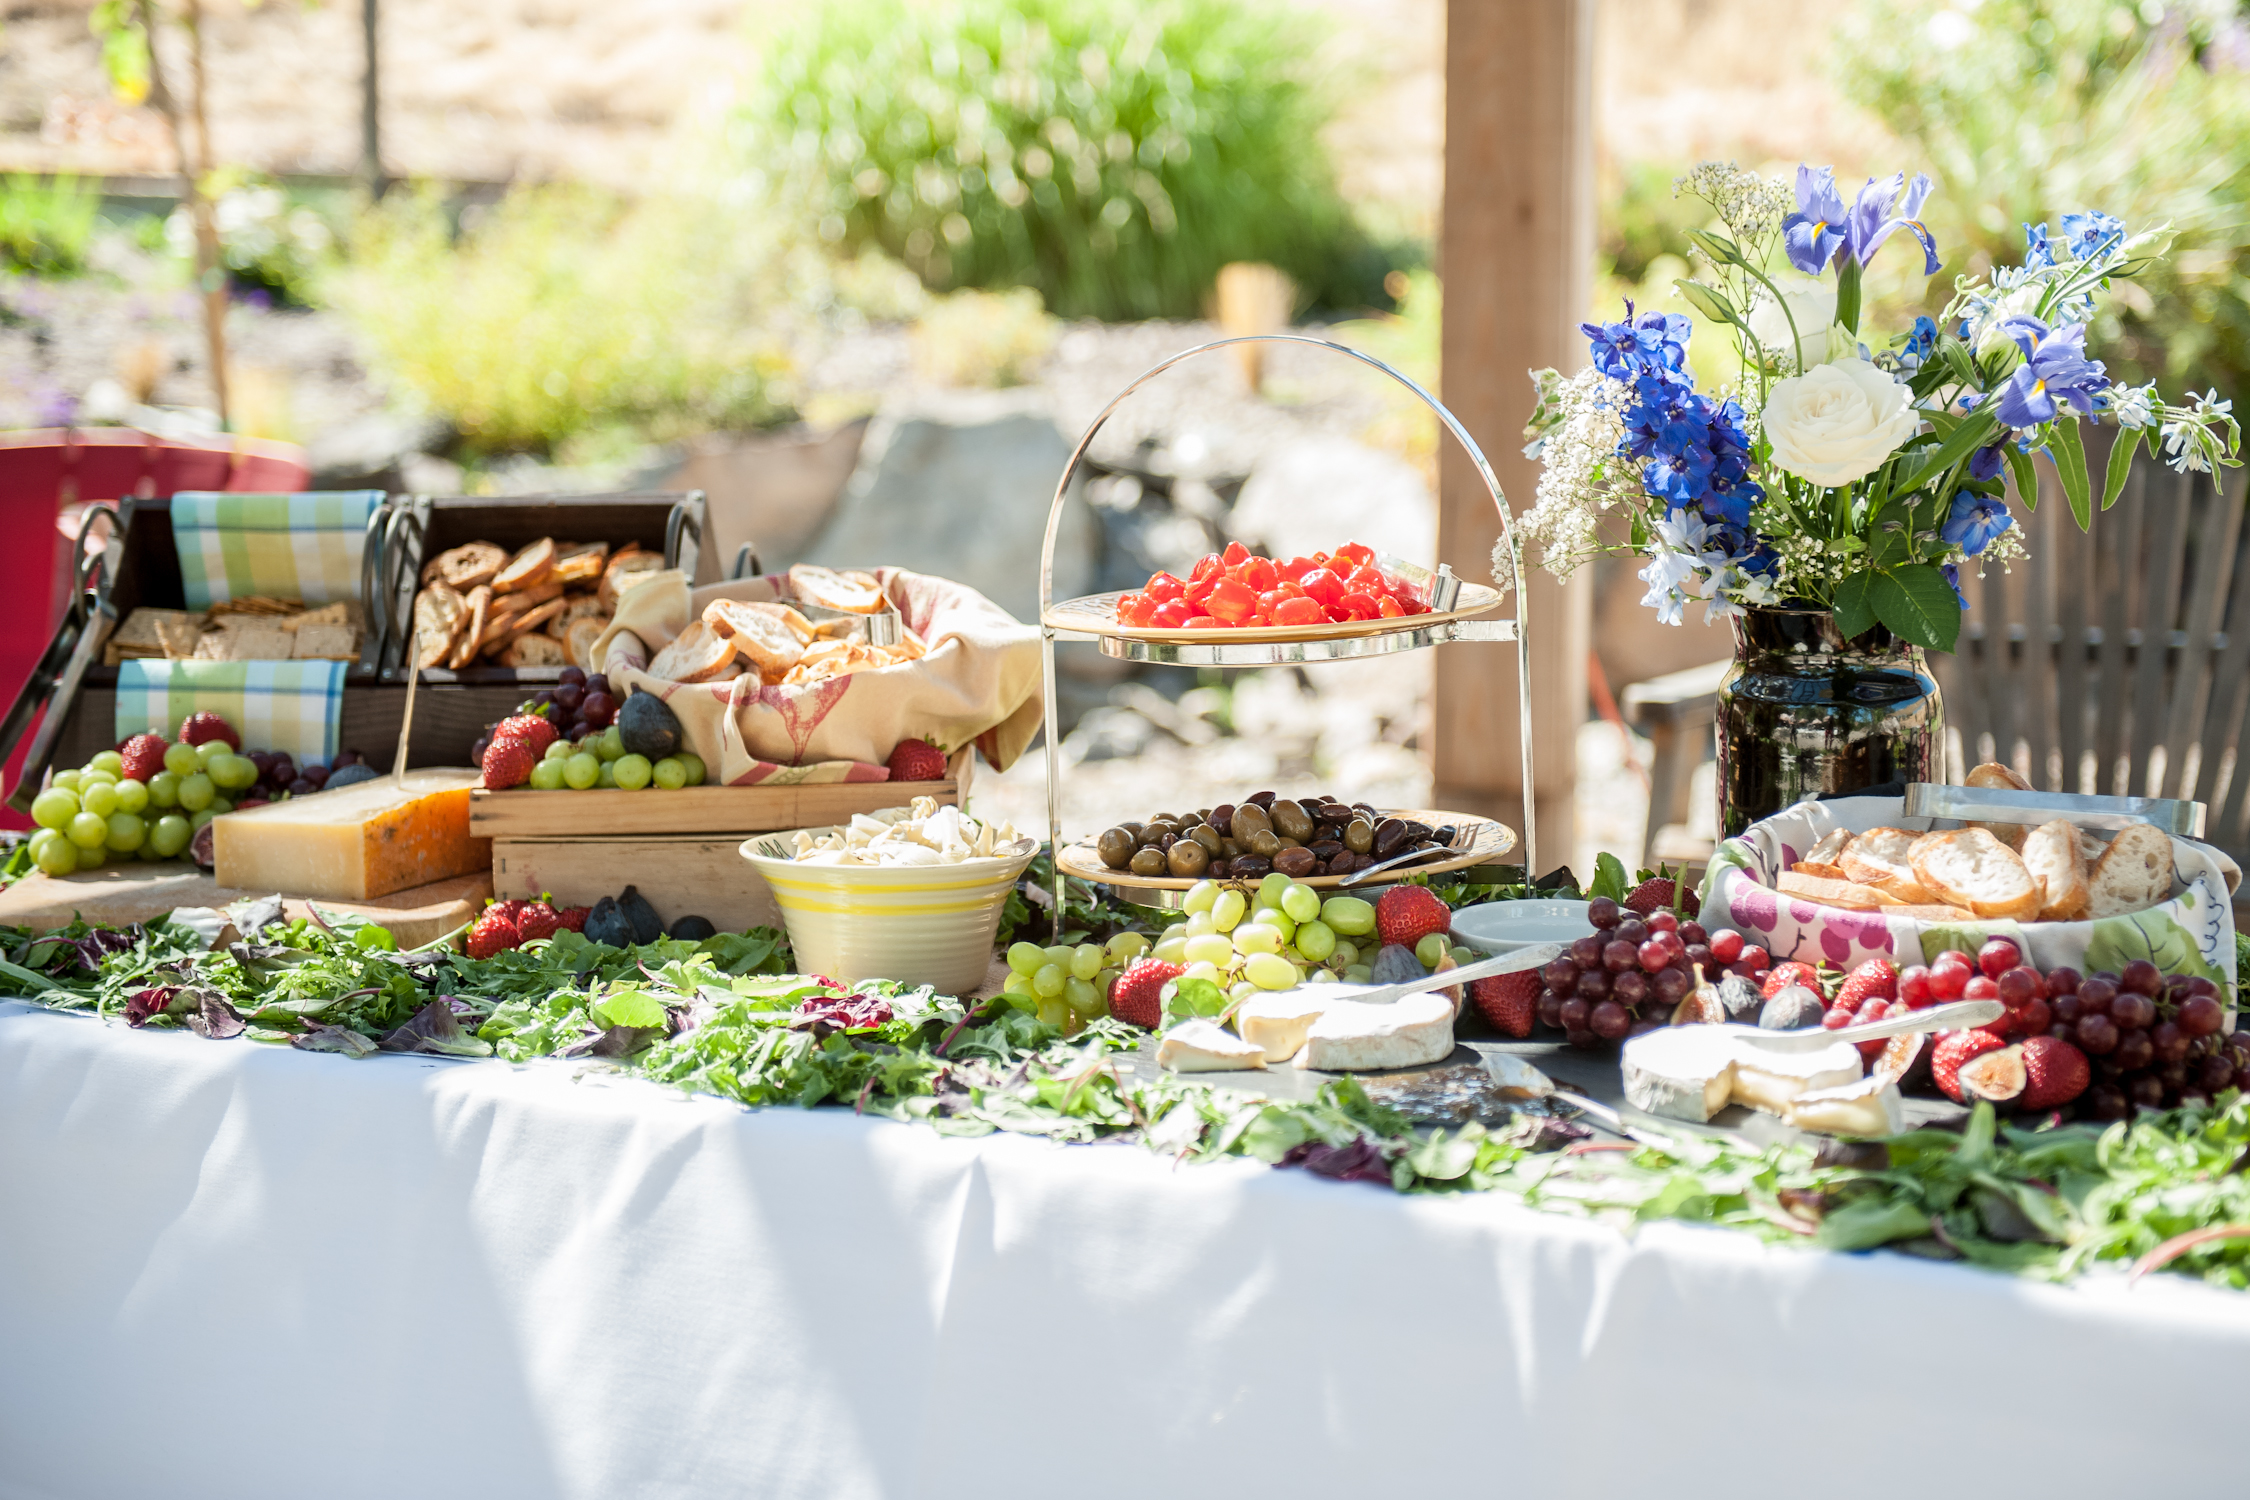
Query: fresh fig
point(1396, 964)
point(1742, 1001)
point(694, 929)
point(648, 727)
point(351, 775)
point(647, 925)
point(1791, 1009)
point(607, 923)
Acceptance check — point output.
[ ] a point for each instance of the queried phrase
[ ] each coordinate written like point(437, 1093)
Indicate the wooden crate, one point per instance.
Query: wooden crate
point(621, 816)
point(682, 875)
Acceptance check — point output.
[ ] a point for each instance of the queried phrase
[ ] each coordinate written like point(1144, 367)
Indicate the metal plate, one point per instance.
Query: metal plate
point(1096, 614)
point(1486, 842)
point(1928, 799)
point(1414, 637)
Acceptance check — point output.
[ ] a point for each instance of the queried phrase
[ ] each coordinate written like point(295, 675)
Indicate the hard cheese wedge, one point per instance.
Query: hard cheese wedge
point(1353, 1037)
point(365, 840)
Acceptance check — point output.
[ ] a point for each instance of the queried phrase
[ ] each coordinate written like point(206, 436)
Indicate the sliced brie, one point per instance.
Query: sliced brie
point(1201, 1046)
point(1351, 1036)
point(1870, 1107)
point(1514, 1077)
point(1680, 1072)
point(1767, 1078)
point(1278, 1023)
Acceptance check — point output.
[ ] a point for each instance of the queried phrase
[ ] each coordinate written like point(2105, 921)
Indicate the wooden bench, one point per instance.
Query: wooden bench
point(1679, 712)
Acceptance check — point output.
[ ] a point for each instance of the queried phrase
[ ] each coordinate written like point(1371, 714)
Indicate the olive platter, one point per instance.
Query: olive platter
point(1315, 839)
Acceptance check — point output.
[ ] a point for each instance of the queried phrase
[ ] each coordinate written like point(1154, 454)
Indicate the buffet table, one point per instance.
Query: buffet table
point(242, 1271)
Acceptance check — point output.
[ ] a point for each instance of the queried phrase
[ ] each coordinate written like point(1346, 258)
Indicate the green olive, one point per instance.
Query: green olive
point(1359, 835)
point(1249, 821)
point(1264, 844)
point(1188, 858)
point(1208, 837)
point(1116, 846)
point(1290, 820)
point(1150, 861)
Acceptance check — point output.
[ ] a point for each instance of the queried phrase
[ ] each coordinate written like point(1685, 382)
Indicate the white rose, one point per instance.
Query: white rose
point(1837, 422)
point(1812, 304)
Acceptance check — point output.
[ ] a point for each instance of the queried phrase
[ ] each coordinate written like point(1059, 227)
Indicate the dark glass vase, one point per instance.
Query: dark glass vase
point(1805, 712)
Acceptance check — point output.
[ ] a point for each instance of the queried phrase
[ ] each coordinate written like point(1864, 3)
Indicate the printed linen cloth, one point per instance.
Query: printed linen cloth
point(306, 546)
point(295, 706)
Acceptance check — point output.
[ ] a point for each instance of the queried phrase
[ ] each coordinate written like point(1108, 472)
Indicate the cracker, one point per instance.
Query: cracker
point(326, 643)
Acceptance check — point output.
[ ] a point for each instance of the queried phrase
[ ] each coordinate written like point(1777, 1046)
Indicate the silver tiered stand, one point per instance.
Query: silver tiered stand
point(1095, 617)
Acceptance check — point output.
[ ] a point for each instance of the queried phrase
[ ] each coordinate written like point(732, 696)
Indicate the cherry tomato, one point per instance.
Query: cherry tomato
point(1296, 568)
point(1259, 573)
point(1389, 608)
point(1299, 611)
point(1135, 609)
point(1172, 614)
point(1324, 586)
point(1357, 605)
point(1288, 590)
point(1355, 555)
point(1231, 600)
point(1235, 555)
point(1367, 581)
point(1205, 622)
point(1163, 586)
point(1268, 602)
point(1200, 589)
point(1206, 567)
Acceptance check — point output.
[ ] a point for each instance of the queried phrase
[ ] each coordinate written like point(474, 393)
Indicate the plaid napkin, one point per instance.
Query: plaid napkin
point(282, 546)
point(274, 705)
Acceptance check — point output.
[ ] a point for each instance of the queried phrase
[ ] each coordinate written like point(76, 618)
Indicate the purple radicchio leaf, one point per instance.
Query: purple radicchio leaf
point(143, 1006)
point(434, 1029)
point(1361, 1161)
point(847, 1012)
point(213, 1018)
point(339, 1039)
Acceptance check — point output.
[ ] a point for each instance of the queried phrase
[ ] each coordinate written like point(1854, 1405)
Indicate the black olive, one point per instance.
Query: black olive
point(1249, 866)
point(1389, 834)
point(1295, 863)
point(1418, 830)
point(1261, 800)
point(1326, 849)
point(1221, 817)
point(1343, 862)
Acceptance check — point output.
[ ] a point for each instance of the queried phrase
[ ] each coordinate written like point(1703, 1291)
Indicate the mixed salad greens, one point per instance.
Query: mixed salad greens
point(724, 1016)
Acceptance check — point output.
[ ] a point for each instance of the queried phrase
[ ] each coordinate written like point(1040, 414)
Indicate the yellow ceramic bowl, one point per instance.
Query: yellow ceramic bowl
point(918, 924)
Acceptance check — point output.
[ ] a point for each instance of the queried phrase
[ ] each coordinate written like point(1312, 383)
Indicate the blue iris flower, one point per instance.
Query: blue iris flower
point(1986, 462)
point(2036, 249)
point(1975, 522)
point(2055, 368)
point(2092, 234)
point(1952, 572)
point(1823, 229)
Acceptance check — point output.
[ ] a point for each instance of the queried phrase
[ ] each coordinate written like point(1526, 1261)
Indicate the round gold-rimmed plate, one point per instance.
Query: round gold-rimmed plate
point(1481, 841)
point(1096, 614)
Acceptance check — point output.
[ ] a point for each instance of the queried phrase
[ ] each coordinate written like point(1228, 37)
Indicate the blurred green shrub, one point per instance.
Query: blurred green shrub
point(46, 227)
point(267, 242)
point(1111, 155)
point(2023, 110)
point(560, 313)
point(982, 338)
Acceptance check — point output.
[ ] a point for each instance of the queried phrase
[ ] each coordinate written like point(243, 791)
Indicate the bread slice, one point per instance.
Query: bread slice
point(580, 562)
point(2050, 853)
point(530, 566)
point(472, 629)
point(617, 573)
point(465, 566)
point(438, 616)
point(532, 651)
point(1879, 857)
point(856, 593)
point(1969, 867)
point(2134, 873)
point(764, 640)
point(1995, 777)
point(1842, 893)
point(505, 631)
point(1820, 871)
point(579, 637)
point(1830, 849)
point(697, 654)
point(1936, 911)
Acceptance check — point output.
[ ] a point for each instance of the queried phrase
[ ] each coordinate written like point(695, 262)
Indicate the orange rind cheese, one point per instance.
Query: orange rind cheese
point(355, 843)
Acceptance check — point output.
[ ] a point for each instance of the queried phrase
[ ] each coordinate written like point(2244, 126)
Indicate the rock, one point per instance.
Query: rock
point(648, 727)
point(774, 490)
point(961, 489)
point(370, 452)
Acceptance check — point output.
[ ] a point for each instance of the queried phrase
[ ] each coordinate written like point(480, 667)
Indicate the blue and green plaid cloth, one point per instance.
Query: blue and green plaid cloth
point(274, 705)
point(282, 546)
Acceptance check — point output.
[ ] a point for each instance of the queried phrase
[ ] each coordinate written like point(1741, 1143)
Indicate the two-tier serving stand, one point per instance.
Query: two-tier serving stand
point(1453, 606)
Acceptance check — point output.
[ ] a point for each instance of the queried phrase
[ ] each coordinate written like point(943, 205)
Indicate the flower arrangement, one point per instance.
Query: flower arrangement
point(1829, 476)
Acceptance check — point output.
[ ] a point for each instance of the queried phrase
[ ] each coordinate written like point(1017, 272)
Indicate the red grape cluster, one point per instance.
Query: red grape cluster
point(2153, 1041)
point(1628, 974)
point(577, 705)
point(279, 775)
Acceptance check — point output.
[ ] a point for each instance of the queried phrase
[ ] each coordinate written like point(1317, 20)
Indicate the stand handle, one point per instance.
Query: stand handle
point(1452, 425)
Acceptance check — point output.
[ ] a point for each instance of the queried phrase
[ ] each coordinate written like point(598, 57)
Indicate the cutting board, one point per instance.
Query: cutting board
point(138, 892)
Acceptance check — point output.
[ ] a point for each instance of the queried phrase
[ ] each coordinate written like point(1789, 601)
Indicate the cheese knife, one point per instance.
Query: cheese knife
point(1538, 955)
point(1960, 1015)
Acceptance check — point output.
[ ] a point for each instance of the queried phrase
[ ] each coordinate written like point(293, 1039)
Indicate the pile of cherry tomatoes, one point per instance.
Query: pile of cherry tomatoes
point(1238, 589)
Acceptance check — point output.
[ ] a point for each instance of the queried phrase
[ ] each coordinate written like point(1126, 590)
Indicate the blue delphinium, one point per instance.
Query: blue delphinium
point(1975, 522)
point(2092, 235)
point(2055, 368)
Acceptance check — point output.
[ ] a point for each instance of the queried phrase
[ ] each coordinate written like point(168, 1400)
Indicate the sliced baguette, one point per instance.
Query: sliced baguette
point(856, 593)
point(532, 651)
point(530, 566)
point(505, 633)
point(472, 629)
point(1879, 857)
point(1842, 893)
point(579, 637)
point(1995, 777)
point(1969, 867)
point(618, 572)
point(1820, 871)
point(438, 614)
point(466, 566)
point(762, 638)
point(697, 654)
point(1830, 849)
point(2050, 853)
point(580, 562)
point(2134, 873)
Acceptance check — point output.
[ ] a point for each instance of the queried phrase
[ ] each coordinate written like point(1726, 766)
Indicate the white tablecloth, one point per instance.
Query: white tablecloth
point(236, 1271)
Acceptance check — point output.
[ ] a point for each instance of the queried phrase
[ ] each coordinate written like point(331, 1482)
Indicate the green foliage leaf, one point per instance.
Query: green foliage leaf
point(1193, 996)
point(2026, 477)
point(1847, 295)
point(631, 1006)
point(1716, 246)
point(2070, 463)
point(1854, 601)
point(1705, 300)
point(1917, 604)
point(1610, 879)
point(1974, 432)
point(2121, 454)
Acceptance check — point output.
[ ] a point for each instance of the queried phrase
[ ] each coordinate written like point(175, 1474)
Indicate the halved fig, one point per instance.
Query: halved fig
point(1898, 1056)
point(1997, 1076)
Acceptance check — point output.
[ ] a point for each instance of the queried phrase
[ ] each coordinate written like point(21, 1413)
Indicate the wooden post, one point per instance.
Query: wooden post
point(370, 105)
point(1516, 254)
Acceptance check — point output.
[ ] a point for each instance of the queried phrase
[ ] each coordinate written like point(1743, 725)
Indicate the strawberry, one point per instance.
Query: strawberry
point(144, 756)
point(508, 763)
point(2055, 1073)
point(537, 920)
point(1954, 1049)
point(1138, 995)
point(1876, 979)
point(1509, 1001)
point(573, 917)
point(1783, 975)
point(917, 760)
point(1659, 893)
point(1406, 914)
point(495, 932)
point(534, 731)
point(198, 727)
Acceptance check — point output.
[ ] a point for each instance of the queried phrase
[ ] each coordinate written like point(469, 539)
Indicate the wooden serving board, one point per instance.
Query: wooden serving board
point(1096, 614)
point(680, 874)
point(138, 892)
point(520, 812)
point(1488, 842)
